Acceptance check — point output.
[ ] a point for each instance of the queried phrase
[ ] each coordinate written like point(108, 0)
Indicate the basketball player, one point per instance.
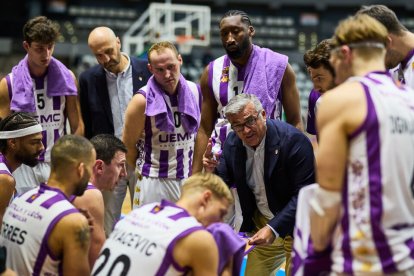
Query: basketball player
point(246, 68)
point(20, 143)
point(400, 46)
point(44, 234)
point(322, 75)
point(169, 239)
point(44, 87)
point(363, 206)
point(108, 170)
point(161, 123)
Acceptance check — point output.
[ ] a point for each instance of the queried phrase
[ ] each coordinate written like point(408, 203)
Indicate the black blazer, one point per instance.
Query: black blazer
point(288, 166)
point(94, 97)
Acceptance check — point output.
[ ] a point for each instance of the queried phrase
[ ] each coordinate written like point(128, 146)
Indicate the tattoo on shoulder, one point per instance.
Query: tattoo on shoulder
point(83, 236)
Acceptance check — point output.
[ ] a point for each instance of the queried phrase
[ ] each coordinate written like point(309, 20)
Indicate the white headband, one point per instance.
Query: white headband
point(368, 44)
point(20, 132)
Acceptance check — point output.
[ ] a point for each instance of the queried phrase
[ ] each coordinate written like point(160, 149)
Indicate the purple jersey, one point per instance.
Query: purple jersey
point(312, 105)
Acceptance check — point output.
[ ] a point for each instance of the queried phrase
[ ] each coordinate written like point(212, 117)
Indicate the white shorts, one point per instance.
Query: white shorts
point(28, 178)
point(151, 189)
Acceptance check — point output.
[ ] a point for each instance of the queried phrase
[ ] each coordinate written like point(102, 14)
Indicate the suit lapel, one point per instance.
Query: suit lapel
point(103, 94)
point(272, 147)
point(240, 162)
point(138, 77)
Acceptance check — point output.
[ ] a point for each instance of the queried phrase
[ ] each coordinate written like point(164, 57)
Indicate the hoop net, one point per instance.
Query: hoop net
point(184, 43)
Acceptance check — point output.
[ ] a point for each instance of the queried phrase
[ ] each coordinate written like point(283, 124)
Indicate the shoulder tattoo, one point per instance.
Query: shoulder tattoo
point(82, 237)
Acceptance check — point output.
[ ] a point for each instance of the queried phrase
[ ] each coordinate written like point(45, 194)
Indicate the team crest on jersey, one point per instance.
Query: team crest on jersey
point(225, 74)
point(156, 209)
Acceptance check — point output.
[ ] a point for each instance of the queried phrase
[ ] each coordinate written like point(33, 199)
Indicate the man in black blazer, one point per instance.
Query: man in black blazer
point(105, 91)
point(268, 161)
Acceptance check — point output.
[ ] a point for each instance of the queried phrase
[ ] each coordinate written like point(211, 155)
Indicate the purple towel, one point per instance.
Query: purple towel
point(187, 106)
point(266, 69)
point(59, 83)
point(229, 245)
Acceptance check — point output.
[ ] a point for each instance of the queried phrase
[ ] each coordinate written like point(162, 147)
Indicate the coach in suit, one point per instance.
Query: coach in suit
point(105, 91)
point(268, 161)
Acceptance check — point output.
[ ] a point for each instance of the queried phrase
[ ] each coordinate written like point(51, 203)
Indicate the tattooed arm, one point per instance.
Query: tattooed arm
point(69, 240)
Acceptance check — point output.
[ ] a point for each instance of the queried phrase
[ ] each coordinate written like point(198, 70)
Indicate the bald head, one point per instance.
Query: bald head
point(106, 47)
point(100, 35)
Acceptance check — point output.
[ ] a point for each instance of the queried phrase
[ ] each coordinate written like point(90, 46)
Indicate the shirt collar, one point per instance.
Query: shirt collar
point(123, 72)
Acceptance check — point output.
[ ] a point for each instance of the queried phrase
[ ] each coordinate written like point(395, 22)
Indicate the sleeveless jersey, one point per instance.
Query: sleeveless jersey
point(305, 260)
point(164, 154)
point(227, 80)
point(27, 224)
point(376, 232)
point(407, 71)
point(89, 187)
point(50, 113)
point(143, 242)
point(4, 169)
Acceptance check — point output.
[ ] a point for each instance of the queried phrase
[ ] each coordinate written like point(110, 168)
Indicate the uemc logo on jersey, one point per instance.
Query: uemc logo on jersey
point(49, 118)
point(175, 137)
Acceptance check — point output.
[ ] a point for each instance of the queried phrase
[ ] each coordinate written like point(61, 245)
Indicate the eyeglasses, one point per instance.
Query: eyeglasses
point(250, 122)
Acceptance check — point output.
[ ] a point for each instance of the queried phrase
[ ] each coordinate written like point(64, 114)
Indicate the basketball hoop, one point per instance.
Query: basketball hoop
point(184, 43)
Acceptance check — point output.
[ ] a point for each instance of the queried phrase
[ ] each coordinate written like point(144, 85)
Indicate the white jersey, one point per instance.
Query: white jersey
point(4, 169)
point(50, 113)
point(407, 71)
point(227, 80)
point(164, 154)
point(377, 225)
point(27, 224)
point(143, 242)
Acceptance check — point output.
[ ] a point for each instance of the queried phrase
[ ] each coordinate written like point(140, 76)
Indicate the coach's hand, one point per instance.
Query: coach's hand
point(264, 236)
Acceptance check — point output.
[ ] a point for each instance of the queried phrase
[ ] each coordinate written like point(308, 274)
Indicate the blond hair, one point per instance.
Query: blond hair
point(161, 46)
point(362, 32)
point(207, 181)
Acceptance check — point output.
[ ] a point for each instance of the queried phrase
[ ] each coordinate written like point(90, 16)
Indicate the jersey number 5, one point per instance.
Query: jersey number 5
point(40, 100)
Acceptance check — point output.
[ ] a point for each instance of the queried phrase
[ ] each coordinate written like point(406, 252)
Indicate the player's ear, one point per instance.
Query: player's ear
point(251, 31)
point(99, 167)
point(80, 169)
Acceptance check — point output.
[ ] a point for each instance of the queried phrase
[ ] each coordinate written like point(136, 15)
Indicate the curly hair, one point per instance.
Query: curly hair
point(40, 29)
point(319, 56)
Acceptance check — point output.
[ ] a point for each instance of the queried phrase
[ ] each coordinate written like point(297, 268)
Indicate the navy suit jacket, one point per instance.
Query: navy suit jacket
point(288, 166)
point(94, 96)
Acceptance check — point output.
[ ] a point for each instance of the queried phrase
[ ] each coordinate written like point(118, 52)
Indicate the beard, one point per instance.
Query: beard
point(242, 48)
point(29, 160)
point(81, 185)
point(111, 64)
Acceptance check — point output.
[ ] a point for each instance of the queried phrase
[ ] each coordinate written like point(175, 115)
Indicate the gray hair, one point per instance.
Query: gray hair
point(239, 102)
